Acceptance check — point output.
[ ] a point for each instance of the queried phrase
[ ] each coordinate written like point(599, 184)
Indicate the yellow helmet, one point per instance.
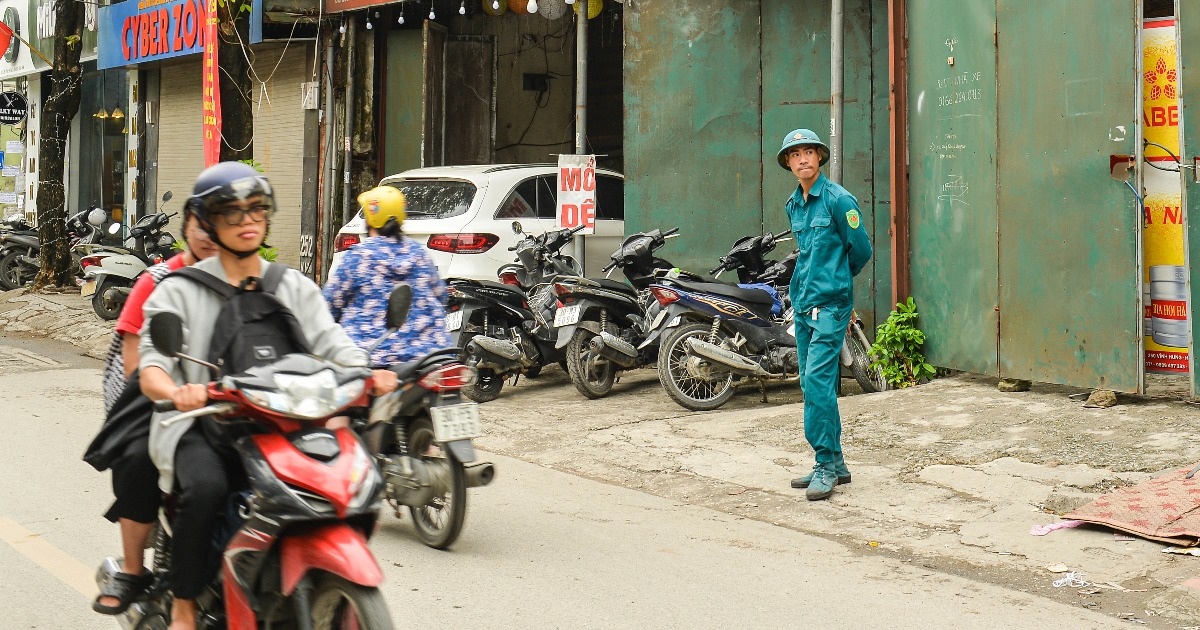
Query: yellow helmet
point(382, 203)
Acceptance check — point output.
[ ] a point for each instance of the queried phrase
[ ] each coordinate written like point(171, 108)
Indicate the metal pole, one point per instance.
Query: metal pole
point(835, 83)
point(331, 158)
point(349, 46)
point(581, 95)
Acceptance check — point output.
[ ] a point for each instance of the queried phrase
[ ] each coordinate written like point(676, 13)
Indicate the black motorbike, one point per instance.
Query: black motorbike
point(20, 246)
point(421, 436)
point(602, 321)
point(502, 330)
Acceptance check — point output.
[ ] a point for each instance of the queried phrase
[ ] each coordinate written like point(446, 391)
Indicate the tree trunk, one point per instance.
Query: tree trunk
point(236, 86)
point(60, 107)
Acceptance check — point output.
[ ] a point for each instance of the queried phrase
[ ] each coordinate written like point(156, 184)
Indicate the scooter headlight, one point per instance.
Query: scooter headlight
point(310, 396)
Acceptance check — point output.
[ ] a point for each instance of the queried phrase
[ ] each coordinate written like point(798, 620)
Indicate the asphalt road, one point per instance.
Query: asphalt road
point(541, 548)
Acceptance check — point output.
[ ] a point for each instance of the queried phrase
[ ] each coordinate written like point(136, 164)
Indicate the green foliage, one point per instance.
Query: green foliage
point(268, 252)
point(258, 167)
point(897, 347)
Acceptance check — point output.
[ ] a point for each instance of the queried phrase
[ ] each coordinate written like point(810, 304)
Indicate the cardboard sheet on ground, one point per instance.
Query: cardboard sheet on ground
point(1166, 509)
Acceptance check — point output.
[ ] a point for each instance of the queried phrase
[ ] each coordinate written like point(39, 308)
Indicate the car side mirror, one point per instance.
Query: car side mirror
point(399, 302)
point(166, 332)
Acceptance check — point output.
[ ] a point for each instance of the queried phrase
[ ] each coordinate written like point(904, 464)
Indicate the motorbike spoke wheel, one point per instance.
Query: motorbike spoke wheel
point(12, 273)
point(106, 309)
point(486, 387)
point(341, 605)
point(870, 377)
point(692, 382)
point(440, 521)
point(592, 374)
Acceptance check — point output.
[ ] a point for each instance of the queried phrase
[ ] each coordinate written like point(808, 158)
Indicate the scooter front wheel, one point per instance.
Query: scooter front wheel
point(338, 603)
point(12, 273)
point(440, 521)
point(486, 387)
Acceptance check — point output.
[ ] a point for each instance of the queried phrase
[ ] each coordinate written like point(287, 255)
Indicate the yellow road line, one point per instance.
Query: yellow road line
point(57, 562)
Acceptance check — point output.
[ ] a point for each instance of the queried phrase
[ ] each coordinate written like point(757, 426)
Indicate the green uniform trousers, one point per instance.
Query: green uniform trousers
point(818, 350)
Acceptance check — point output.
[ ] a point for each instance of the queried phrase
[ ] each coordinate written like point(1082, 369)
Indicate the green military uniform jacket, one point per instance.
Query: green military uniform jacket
point(833, 245)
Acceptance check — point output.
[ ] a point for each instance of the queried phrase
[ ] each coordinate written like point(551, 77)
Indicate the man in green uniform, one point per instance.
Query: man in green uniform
point(833, 248)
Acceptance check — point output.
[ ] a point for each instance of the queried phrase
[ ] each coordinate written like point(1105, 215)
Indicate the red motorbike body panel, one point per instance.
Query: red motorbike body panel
point(336, 548)
point(334, 482)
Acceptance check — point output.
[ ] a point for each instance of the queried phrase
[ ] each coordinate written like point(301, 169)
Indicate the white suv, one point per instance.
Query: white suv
point(463, 215)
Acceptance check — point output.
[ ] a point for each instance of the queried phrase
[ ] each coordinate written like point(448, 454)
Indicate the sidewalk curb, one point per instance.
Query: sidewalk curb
point(65, 317)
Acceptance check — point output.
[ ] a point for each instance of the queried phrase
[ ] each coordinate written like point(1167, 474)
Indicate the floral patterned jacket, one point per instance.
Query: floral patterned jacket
point(358, 296)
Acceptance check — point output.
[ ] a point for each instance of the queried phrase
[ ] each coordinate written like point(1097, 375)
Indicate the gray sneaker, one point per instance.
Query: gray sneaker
point(821, 485)
point(802, 482)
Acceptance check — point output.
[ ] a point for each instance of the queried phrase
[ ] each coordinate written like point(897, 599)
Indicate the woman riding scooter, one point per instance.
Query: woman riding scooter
point(358, 292)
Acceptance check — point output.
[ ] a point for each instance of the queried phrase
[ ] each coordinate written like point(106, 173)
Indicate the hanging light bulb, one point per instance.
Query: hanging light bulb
point(495, 5)
point(532, 6)
point(400, 20)
point(432, 15)
point(570, 1)
point(342, 29)
point(117, 113)
point(100, 114)
point(369, 26)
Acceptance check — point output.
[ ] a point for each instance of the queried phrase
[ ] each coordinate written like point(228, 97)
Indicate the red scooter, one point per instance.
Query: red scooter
point(298, 555)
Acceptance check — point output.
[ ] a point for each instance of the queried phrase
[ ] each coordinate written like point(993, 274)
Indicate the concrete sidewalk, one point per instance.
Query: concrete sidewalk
point(950, 476)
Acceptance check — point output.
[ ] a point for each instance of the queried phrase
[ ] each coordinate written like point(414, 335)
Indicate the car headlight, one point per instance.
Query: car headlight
point(311, 396)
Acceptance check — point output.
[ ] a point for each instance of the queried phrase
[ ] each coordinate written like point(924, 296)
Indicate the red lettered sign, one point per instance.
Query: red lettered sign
point(577, 192)
point(211, 95)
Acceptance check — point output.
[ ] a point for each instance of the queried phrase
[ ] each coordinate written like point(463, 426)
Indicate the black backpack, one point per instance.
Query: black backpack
point(253, 328)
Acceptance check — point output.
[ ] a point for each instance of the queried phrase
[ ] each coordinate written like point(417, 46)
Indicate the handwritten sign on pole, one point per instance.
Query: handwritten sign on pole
point(577, 192)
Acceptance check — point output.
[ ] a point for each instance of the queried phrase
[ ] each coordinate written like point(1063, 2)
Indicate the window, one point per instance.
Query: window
point(534, 197)
point(610, 197)
point(435, 198)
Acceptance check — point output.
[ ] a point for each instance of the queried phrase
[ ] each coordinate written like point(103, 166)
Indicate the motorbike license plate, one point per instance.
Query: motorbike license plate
point(89, 289)
point(456, 422)
point(567, 315)
point(454, 320)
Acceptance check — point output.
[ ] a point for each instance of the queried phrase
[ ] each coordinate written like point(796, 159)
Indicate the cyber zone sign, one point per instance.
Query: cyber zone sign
point(139, 31)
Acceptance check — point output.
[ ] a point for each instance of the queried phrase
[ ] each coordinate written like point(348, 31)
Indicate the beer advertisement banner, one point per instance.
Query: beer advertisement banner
point(1164, 296)
point(211, 96)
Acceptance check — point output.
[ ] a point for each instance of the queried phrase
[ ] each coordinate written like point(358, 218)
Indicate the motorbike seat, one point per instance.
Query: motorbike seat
point(491, 285)
point(750, 296)
point(613, 285)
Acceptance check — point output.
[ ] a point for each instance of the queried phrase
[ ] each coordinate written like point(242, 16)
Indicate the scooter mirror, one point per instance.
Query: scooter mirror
point(166, 332)
point(516, 227)
point(398, 304)
point(114, 229)
point(167, 196)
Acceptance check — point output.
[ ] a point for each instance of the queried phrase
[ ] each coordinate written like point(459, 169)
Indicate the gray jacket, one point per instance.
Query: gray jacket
point(198, 307)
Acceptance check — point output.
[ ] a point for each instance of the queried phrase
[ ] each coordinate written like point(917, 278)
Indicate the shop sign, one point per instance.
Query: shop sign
point(13, 108)
point(577, 192)
point(41, 29)
point(138, 31)
point(16, 60)
point(211, 96)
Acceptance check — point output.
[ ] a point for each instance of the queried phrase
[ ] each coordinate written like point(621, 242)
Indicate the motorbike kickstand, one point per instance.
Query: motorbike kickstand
point(762, 388)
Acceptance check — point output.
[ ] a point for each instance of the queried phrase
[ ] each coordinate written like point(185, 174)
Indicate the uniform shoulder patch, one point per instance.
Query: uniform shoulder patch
point(854, 219)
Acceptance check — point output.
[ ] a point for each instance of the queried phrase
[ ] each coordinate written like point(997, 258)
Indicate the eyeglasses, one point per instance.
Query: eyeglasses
point(236, 216)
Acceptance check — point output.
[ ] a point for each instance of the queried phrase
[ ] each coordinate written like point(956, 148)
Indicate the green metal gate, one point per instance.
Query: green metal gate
point(1187, 29)
point(1024, 251)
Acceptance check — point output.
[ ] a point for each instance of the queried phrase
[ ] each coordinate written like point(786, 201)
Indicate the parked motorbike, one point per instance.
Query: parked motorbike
point(109, 275)
point(20, 245)
point(298, 554)
point(421, 436)
point(602, 321)
point(503, 331)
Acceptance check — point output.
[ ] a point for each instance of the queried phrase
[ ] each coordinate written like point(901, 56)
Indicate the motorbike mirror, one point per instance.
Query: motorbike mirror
point(398, 304)
point(167, 196)
point(516, 227)
point(166, 332)
point(114, 229)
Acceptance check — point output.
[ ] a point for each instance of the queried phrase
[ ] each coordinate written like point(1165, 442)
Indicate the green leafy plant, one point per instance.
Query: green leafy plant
point(897, 347)
point(258, 167)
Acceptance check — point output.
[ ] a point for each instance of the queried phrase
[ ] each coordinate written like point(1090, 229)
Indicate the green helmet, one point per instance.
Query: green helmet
point(797, 138)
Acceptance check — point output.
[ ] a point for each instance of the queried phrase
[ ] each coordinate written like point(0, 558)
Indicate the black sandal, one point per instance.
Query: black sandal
point(125, 588)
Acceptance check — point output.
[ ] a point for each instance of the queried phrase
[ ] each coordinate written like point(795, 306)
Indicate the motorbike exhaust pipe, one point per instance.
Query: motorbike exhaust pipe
point(732, 361)
point(495, 354)
point(479, 474)
point(846, 358)
point(614, 349)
